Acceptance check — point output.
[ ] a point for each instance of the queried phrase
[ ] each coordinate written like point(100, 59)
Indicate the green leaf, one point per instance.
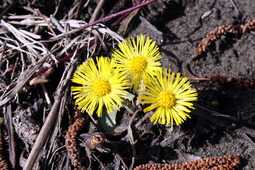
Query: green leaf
point(129, 96)
point(108, 120)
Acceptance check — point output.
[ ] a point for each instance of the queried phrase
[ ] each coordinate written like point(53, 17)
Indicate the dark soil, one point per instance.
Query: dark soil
point(178, 29)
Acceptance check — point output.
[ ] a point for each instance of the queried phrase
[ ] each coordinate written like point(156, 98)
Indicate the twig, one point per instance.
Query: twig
point(97, 10)
point(100, 20)
point(13, 89)
point(12, 4)
point(9, 125)
point(128, 20)
point(46, 21)
point(214, 113)
point(46, 95)
point(124, 16)
point(51, 118)
point(131, 139)
point(57, 126)
point(44, 133)
point(67, 57)
point(146, 116)
point(57, 23)
point(234, 4)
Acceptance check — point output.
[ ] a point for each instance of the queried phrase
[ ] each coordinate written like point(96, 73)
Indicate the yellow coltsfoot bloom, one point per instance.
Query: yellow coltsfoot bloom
point(137, 59)
point(100, 84)
point(170, 95)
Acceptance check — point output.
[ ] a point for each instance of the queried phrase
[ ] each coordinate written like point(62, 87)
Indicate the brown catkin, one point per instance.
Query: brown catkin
point(213, 163)
point(3, 163)
point(71, 145)
point(224, 30)
point(222, 80)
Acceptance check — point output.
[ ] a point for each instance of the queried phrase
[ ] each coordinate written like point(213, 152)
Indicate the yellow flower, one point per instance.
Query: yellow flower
point(170, 95)
point(100, 85)
point(137, 59)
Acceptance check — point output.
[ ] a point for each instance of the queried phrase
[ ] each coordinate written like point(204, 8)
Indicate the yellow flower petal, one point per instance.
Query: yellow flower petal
point(101, 85)
point(170, 95)
point(137, 59)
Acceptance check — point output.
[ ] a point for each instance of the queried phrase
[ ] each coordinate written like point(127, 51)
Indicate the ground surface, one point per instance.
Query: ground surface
point(223, 128)
point(178, 33)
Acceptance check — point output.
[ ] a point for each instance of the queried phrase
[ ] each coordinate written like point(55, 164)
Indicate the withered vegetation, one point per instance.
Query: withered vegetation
point(41, 45)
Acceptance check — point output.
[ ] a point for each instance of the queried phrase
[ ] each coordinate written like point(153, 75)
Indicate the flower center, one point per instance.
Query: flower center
point(101, 87)
point(138, 64)
point(166, 99)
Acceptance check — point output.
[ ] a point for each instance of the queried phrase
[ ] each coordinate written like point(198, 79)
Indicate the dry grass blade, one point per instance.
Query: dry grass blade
point(26, 41)
point(12, 153)
point(132, 140)
point(102, 20)
point(23, 78)
point(51, 118)
point(97, 10)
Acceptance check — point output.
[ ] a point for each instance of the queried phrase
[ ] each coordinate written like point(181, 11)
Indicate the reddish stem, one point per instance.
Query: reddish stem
point(124, 16)
point(67, 57)
point(120, 19)
point(102, 20)
point(79, 29)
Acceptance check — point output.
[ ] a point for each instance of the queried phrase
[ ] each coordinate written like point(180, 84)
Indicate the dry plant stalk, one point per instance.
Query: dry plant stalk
point(223, 30)
point(214, 163)
point(236, 82)
point(71, 145)
point(3, 163)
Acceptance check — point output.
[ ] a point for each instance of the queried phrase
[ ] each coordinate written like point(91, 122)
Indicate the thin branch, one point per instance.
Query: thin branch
point(51, 118)
point(101, 20)
point(97, 10)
